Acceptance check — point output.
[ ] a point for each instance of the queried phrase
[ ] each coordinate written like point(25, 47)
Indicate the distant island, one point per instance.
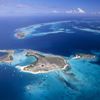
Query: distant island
point(84, 56)
point(39, 29)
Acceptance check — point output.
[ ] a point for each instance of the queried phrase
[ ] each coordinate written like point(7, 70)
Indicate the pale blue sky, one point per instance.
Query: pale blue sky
point(31, 7)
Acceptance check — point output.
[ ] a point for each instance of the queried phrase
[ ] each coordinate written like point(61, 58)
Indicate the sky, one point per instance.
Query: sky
point(32, 7)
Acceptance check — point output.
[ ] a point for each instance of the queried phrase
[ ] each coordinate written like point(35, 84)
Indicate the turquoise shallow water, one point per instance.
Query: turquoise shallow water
point(20, 58)
point(28, 61)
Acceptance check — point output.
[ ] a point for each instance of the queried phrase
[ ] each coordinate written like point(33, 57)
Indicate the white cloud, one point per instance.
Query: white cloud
point(81, 10)
point(75, 11)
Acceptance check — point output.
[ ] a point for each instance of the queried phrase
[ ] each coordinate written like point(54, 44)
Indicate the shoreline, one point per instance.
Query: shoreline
point(21, 68)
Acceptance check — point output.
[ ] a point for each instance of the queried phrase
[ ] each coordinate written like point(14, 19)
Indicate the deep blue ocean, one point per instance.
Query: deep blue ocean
point(15, 84)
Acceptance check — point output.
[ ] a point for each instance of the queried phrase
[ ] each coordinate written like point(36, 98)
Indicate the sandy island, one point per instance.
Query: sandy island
point(44, 63)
